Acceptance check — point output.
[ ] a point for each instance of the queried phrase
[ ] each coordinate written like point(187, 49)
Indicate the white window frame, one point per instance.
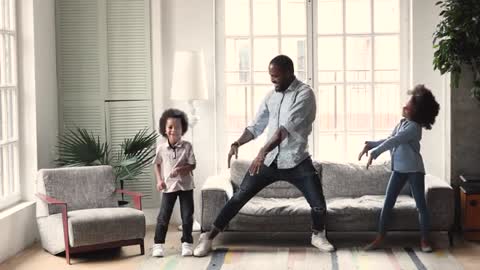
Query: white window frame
point(9, 143)
point(311, 68)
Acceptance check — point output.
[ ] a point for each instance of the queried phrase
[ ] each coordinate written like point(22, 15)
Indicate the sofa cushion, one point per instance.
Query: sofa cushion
point(362, 213)
point(280, 189)
point(353, 180)
point(344, 214)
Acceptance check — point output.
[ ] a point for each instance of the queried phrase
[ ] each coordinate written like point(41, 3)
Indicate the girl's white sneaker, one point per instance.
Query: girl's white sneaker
point(157, 250)
point(187, 249)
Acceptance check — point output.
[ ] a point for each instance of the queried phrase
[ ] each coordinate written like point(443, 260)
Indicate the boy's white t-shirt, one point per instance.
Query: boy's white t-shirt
point(170, 158)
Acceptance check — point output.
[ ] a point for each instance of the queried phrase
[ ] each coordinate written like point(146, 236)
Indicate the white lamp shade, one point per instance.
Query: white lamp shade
point(188, 80)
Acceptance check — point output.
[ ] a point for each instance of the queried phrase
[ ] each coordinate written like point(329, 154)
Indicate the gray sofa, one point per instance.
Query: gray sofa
point(354, 198)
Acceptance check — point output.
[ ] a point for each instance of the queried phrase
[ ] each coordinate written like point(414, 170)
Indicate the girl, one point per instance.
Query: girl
point(174, 163)
point(407, 163)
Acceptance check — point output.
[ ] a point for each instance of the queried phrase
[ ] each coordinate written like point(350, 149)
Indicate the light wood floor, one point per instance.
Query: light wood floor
point(35, 258)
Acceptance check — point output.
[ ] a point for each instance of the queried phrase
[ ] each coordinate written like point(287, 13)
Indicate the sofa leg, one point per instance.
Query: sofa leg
point(450, 238)
point(142, 248)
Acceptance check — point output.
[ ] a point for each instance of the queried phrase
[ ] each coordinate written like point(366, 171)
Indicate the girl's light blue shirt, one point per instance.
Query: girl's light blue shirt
point(404, 146)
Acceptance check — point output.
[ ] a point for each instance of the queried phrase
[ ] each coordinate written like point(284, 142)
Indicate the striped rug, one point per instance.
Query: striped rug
point(265, 258)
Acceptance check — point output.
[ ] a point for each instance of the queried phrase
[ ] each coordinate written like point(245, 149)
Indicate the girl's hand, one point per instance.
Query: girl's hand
point(363, 152)
point(161, 186)
point(369, 162)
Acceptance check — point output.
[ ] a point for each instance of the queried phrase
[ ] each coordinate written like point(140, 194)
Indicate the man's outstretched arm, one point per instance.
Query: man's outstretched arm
point(244, 138)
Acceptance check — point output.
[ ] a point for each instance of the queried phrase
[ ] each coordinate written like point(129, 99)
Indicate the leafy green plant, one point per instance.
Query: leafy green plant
point(79, 147)
point(457, 40)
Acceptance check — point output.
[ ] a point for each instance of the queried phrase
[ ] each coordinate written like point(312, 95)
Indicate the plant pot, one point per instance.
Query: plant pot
point(122, 203)
point(475, 91)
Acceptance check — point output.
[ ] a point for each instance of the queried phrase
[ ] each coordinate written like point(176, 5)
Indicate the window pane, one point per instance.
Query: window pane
point(330, 59)
point(331, 147)
point(259, 93)
point(13, 61)
point(387, 58)
point(294, 17)
point(296, 49)
point(3, 110)
point(2, 15)
point(358, 16)
point(3, 80)
point(265, 17)
point(386, 15)
point(359, 107)
point(387, 105)
point(12, 15)
point(237, 54)
point(330, 107)
point(235, 120)
point(237, 17)
point(264, 49)
point(359, 59)
point(261, 77)
point(330, 14)
point(355, 143)
point(10, 114)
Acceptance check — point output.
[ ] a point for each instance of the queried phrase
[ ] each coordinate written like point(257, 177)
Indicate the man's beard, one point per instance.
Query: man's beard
point(279, 88)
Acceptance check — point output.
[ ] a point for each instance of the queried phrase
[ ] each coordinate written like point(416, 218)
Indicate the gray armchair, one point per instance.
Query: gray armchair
point(77, 211)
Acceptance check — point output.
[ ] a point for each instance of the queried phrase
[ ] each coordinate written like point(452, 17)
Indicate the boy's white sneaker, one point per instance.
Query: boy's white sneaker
point(204, 246)
point(157, 250)
point(320, 241)
point(187, 249)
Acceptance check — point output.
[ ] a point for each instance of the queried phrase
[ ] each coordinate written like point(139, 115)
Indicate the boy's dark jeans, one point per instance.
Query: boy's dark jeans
point(303, 176)
point(186, 209)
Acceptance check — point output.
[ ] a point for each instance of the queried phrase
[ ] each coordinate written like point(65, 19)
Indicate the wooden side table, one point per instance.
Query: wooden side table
point(470, 207)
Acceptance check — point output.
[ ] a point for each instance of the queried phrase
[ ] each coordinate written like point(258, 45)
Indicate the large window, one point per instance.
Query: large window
point(9, 171)
point(353, 52)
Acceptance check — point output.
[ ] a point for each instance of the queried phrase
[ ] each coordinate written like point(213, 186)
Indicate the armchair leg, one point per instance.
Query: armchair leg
point(142, 248)
point(67, 257)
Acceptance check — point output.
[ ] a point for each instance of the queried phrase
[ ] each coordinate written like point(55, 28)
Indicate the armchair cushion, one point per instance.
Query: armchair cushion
point(79, 187)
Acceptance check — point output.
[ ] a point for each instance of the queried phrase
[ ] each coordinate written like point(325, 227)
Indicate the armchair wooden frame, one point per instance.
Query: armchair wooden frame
point(137, 200)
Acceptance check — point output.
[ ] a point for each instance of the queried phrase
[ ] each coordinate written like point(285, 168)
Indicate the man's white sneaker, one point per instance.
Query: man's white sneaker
point(320, 241)
point(157, 250)
point(204, 246)
point(187, 249)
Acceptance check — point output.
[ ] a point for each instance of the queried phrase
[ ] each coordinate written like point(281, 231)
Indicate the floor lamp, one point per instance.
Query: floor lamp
point(189, 84)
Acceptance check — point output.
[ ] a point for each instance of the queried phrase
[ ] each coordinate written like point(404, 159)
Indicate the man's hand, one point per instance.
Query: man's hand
point(363, 152)
point(161, 186)
point(369, 162)
point(233, 152)
point(257, 163)
point(174, 172)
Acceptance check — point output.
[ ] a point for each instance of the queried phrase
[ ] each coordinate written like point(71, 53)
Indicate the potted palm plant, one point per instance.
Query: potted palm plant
point(79, 147)
point(457, 41)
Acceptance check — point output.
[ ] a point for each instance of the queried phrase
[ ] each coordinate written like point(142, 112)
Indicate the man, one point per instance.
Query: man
point(288, 111)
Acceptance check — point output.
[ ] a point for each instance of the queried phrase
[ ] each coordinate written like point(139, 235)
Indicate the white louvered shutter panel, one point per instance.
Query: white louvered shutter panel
point(79, 65)
point(104, 71)
point(125, 119)
point(128, 49)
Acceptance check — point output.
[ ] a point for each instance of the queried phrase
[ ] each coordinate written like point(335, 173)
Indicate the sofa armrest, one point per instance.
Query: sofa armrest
point(50, 200)
point(440, 202)
point(215, 192)
point(137, 197)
